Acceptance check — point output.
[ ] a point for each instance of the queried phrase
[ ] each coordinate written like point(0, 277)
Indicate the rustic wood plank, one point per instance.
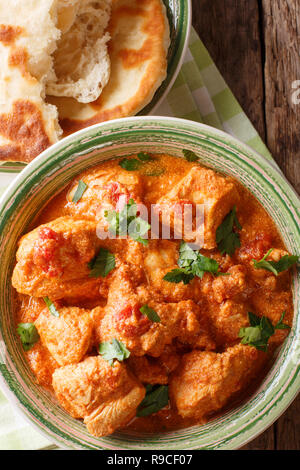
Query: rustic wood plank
point(241, 35)
point(282, 44)
point(230, 29)
point(282, 68)
point(287, 432)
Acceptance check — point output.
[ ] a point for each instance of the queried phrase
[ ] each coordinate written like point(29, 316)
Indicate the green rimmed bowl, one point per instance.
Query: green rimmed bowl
point(180, 20)
point(49, 174)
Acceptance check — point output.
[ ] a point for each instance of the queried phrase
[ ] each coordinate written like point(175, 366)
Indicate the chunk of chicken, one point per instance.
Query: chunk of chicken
point(169, 358)
point(52, 260)
point(29, 308)
point(231, 285)
point(148, 370)
point(42, 364)
point(107, 189)
point(200, 186)
point(123, 320)
point(160, 258)
point(255, 248)
point(273, 305)
point(67, 337)
point(154, 371)
point(131, 253)
point(205, 381)
point(227, 319)
point(105, 396)
point(266, 279)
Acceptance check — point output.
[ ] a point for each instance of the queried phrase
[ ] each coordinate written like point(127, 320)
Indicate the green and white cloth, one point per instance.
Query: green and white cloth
point(199, 94)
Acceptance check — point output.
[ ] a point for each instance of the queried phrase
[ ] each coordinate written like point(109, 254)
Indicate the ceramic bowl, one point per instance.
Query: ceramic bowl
point(180, 20)
point(49, 174)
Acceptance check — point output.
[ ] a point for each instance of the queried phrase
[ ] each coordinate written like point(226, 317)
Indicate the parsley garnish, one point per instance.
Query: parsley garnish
point(178, 275)
point(280, 325)
point(132, 164)
point(150, 313)
point(102, 264)
point(157, 171)
point(126, 222)
point(81, 188)
point(144, 157)
point(190, 156)
point(51, 307)
point(28, 334)
point(157, 397)
point(192, 263)
point(114, 350)
point(228, 240)
point(260, 331)
point(276, 267)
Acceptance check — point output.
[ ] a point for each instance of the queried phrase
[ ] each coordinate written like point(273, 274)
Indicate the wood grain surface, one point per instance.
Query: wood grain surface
point(256, 46)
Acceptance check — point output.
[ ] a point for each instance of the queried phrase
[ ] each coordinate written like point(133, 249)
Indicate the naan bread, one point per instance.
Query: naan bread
point(30, 33)
point(61, 46)
point(140, 39)
point(81, 60)
point(28, 125)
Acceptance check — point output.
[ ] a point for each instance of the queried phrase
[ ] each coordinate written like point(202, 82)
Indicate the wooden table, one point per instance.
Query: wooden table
point(256, 45)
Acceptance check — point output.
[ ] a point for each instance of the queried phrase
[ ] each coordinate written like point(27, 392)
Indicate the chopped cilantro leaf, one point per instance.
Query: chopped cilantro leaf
point(144, 157)
point(276, 267)
point(102, 264)
point(127, 222)
point(150, 313)
point(114, 350)
point(190, 156)
point(228, 240)
point(157, 397)
point(191, 263)
point(178, 275)
point(156, 171)
point(280, 325)
point(51, 307)
point(81, 188)
point(28, 334)
point(260, 331)
point(131, 164)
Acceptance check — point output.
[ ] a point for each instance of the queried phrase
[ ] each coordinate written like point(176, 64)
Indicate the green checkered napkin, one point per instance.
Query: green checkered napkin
point(199, 94)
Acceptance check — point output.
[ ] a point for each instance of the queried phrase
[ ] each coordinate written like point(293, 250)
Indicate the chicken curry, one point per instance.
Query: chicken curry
point(151, 333)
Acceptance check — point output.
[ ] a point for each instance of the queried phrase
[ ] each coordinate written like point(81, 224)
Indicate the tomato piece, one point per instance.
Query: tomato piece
point(47, 233)
point(131, 322)
point(118, 195)
point(257, 248)
point(184, 206)
point(45, 252)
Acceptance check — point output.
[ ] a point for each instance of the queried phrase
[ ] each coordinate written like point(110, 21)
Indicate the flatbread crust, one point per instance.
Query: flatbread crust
point(81, 60)
point(140, 39)
point(28, 125)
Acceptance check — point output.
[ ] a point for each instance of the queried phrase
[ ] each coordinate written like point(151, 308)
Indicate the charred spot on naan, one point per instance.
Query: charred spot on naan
point(8, 34)
point(19, 58)
point(140, 39)
point(10, 152)
point(24, 129)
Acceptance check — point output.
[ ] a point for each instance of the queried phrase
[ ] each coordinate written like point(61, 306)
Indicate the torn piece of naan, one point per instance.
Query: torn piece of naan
point(58, 45)
point(28, 125)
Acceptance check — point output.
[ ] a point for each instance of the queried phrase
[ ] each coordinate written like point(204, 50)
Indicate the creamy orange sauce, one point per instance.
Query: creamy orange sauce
point(263, 293)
